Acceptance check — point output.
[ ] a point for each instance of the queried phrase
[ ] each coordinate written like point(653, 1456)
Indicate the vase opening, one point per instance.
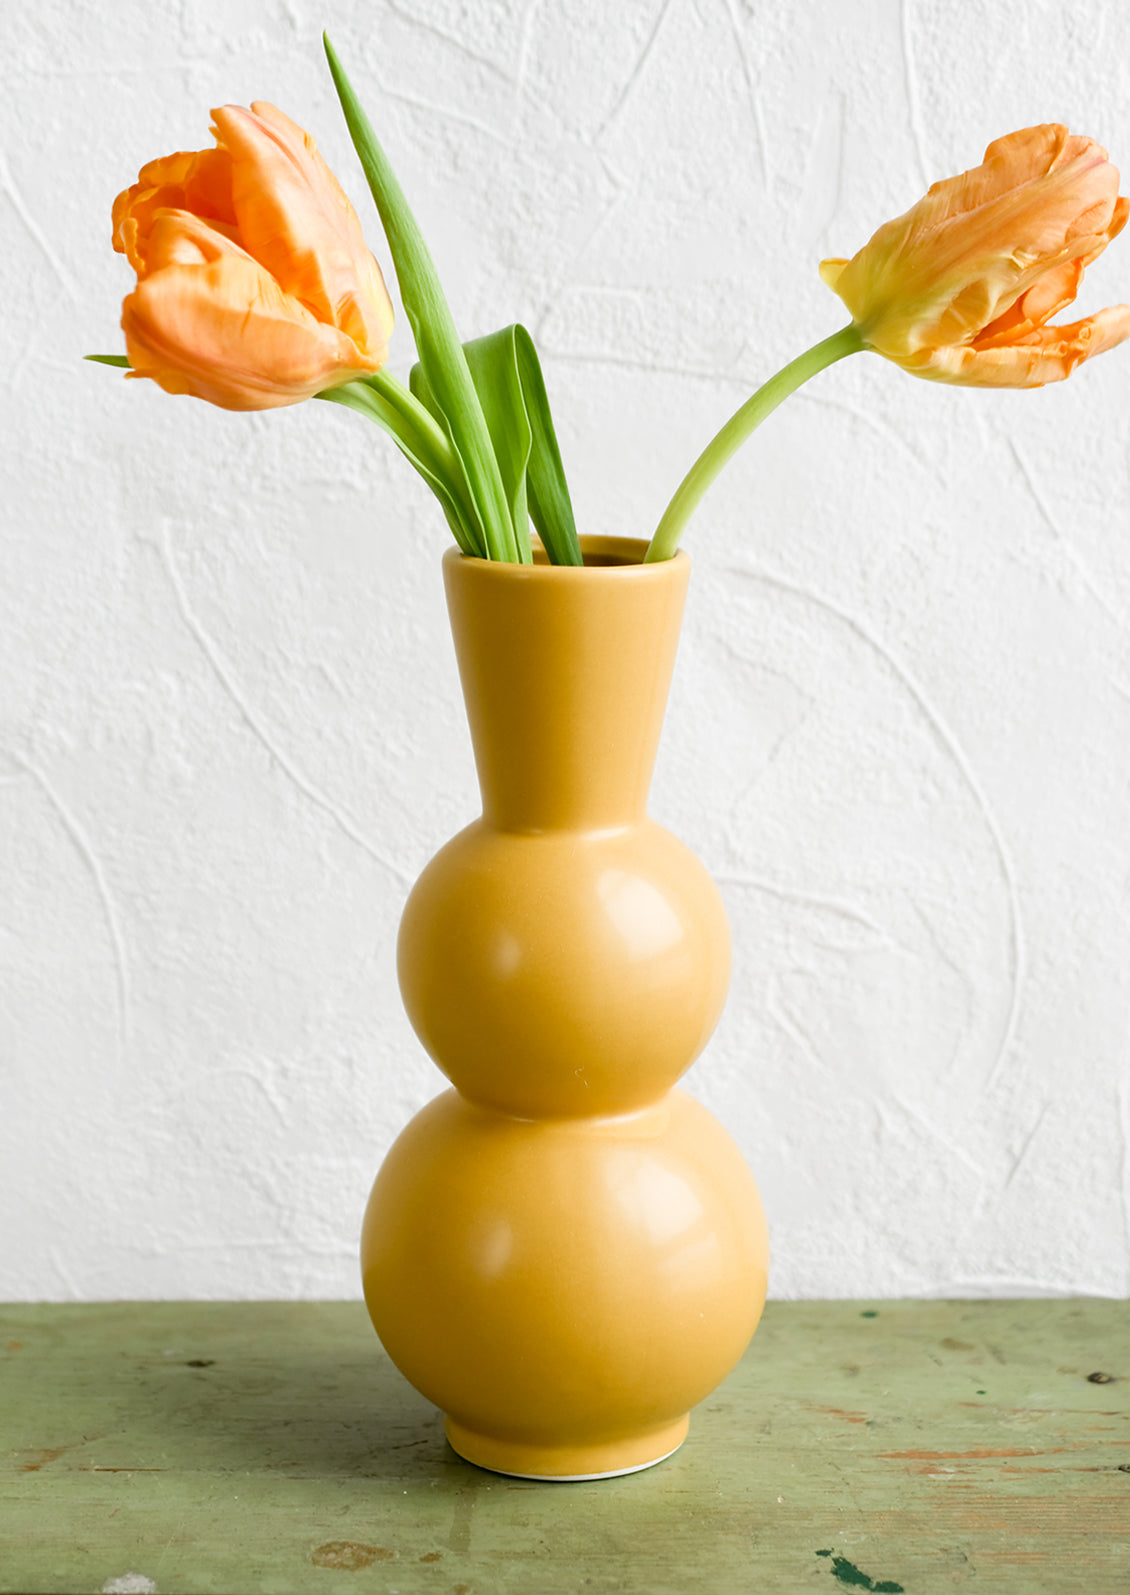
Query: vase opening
point(599, 551)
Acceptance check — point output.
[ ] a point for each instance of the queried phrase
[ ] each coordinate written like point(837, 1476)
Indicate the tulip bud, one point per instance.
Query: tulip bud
point(255, 287)
point(961, 288)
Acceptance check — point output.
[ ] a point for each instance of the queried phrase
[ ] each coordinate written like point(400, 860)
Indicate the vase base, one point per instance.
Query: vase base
point(568, 1464)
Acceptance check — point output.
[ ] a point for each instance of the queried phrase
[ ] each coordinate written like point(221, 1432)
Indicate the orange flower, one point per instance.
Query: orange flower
point(960, 288)
point(254, 285)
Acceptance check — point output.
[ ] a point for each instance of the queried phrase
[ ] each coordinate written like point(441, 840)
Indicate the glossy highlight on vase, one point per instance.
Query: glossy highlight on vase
point(564, 1253)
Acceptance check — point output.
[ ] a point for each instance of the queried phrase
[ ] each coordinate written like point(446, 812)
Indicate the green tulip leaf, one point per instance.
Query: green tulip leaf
point(551, 508)
point(437, 342)
point(495, 375)
point(500, 394)
point(507, 375)
point(110, 360)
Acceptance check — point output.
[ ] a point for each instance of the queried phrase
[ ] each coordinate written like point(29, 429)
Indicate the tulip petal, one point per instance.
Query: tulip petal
point(1047, 354)
point(227, 333)
point(199, 182)
point(1055, 290)
point(295, 220)
point(178, 238)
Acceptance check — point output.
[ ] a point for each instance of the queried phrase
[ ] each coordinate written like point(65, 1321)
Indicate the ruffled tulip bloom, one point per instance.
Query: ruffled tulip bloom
point(254, 284)
point(961, 288)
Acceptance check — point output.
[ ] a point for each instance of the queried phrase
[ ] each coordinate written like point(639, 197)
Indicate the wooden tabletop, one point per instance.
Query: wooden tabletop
point(195, 1448)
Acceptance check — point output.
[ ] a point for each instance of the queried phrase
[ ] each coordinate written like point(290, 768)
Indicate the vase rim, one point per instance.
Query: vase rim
point(615, 558)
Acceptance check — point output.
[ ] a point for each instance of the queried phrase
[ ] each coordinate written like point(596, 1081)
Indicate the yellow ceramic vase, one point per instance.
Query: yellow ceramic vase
point(563, 1252)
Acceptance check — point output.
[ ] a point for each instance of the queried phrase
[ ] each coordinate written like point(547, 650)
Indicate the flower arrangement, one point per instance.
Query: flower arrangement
point(255, 289)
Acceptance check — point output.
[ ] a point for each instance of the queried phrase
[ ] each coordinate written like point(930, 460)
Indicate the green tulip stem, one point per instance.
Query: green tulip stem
point(381, 398)
point(726, 443)
point(416, 419)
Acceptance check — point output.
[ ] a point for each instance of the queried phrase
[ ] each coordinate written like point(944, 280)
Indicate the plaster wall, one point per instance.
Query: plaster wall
point(230, 733)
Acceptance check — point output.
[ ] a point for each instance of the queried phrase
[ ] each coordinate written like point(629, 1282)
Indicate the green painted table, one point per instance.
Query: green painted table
point(192, 1448)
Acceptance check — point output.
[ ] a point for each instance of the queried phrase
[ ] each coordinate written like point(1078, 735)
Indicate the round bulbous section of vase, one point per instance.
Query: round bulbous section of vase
point(565, 1291)
point(564, 973)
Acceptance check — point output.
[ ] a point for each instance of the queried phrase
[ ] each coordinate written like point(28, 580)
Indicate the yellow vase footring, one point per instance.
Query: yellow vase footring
point(568, 1463)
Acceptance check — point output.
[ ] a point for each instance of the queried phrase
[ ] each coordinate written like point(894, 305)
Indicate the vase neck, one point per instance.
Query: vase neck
point(565, 675)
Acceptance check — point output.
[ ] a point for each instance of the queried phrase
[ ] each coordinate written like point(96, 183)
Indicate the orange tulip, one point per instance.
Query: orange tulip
point(254, 285)
point(961, 288)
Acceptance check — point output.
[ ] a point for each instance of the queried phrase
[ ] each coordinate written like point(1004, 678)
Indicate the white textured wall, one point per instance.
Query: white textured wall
point(231, 737)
